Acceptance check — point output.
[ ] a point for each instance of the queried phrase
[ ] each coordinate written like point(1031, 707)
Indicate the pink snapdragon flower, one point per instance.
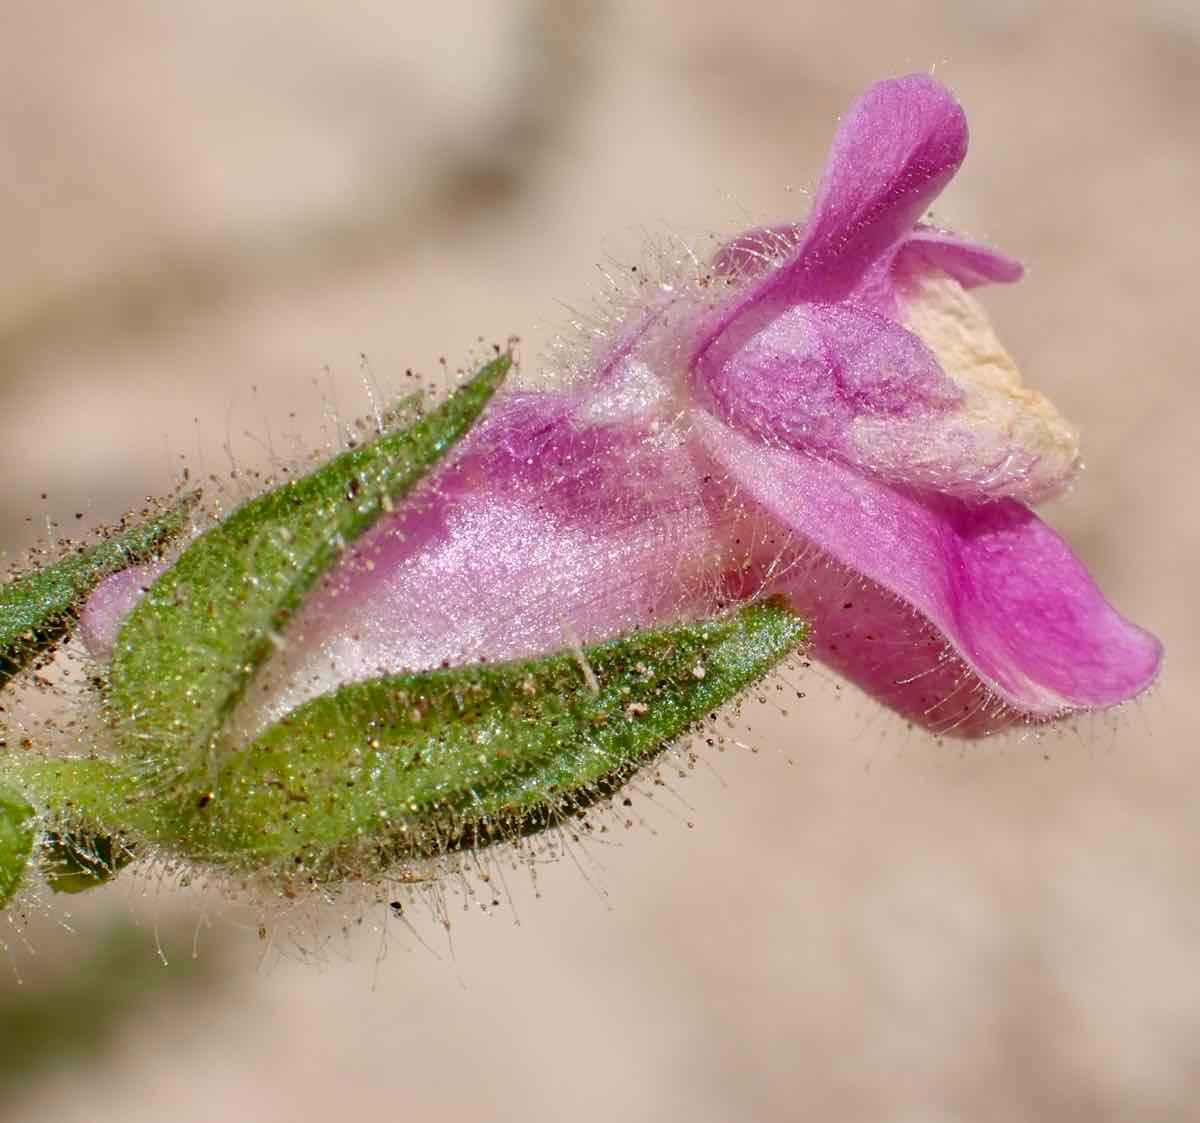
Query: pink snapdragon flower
point(825, 414)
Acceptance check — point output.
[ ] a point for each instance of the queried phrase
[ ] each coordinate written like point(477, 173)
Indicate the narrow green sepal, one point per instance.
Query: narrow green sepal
point(38, 609)
point(416, 765)
point(187, 652)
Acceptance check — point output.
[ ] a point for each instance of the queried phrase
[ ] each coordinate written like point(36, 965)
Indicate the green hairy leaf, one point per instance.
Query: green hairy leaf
point(187, 652)
point(37, 609)
point(414, 765)
point(417, 765)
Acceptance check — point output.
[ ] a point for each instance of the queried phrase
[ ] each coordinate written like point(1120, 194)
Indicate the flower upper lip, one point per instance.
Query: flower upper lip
point(899, 145)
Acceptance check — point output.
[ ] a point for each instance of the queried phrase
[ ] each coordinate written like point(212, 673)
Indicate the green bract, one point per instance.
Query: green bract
point(186, 653)
point(37, 609)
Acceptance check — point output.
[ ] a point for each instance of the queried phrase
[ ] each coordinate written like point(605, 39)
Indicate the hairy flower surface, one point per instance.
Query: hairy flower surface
point(826, 413)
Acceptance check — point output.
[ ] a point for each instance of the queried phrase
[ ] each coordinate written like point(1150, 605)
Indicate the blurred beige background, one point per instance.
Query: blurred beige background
point(204, 206)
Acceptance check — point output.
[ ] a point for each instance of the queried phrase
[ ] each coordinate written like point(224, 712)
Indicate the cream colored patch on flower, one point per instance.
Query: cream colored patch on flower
point(1005, 414)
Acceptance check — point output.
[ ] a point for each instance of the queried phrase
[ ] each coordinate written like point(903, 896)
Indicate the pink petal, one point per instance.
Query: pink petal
point(848, 382)
point(802, 378)
point(110, 602)
point(970, 263)
point(547, 531)
point(894, 152)
point(1001, 594)
point(899, 145)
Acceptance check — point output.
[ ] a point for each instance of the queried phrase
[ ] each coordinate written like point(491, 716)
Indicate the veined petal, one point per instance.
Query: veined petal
point(1010, 602)
point(804, 377)
point(937, 404)
point(549, 530)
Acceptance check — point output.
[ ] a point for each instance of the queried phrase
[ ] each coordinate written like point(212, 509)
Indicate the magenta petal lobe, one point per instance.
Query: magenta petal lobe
point(970, 263)
point(802, 378)
point(894, 152)
point(1008, 597)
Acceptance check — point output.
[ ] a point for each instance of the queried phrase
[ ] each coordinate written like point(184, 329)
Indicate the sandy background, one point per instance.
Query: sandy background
point(204, 206)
